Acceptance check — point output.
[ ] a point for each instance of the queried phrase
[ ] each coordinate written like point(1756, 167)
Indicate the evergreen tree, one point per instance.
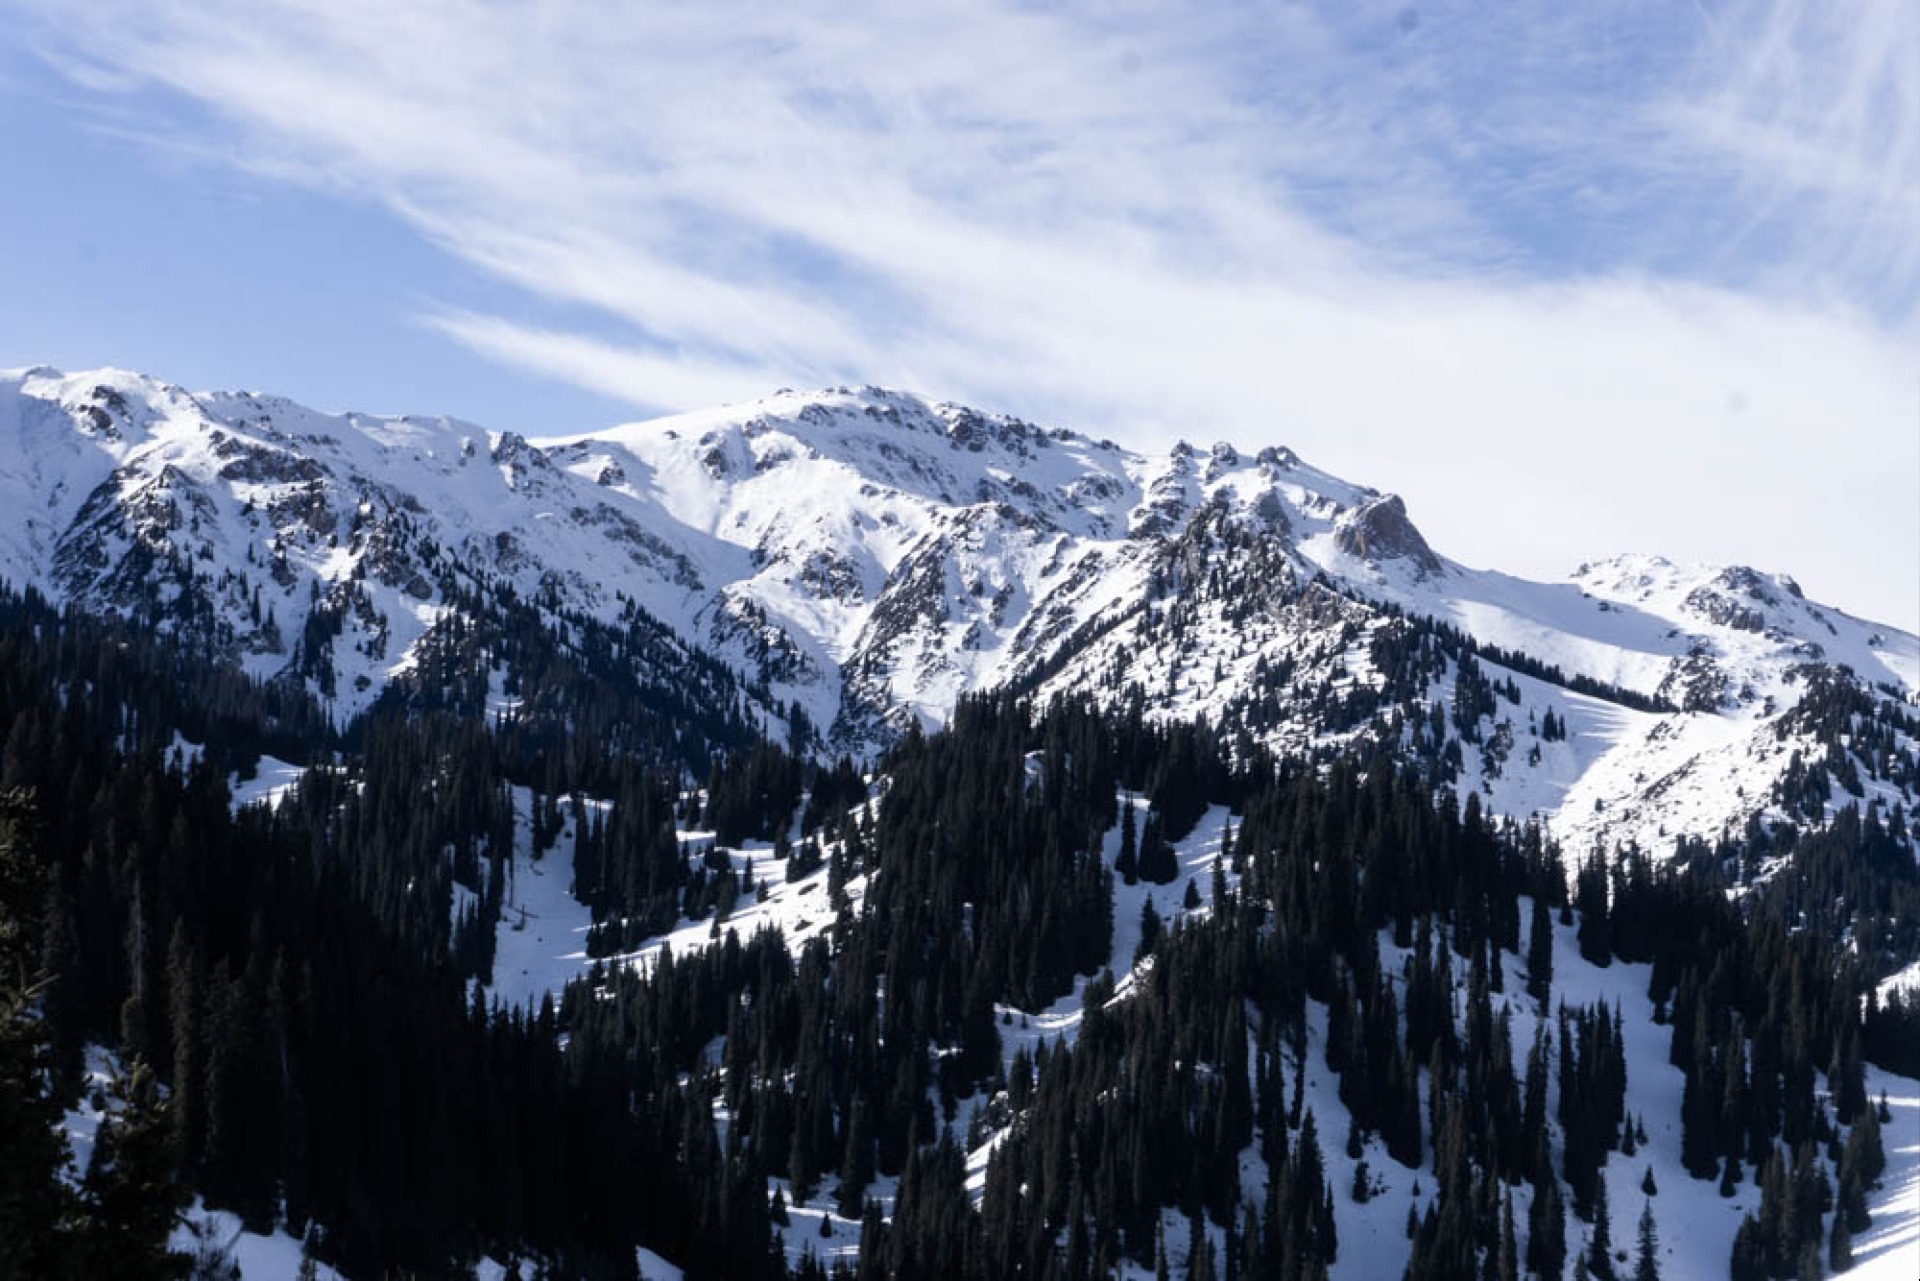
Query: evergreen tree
point(1646, 1265)
point(1127, 863)
point(33, 1200)
point(1547, 1230)
point(1600, 1247)
point(1590, 898)
point(1158, 866)
point(1509, 1264)
point(1749, 1262)
point(1540, 954)
point(1840, 1245)
point(1149, 928)
point(130, 1200)
point(1864, 1156)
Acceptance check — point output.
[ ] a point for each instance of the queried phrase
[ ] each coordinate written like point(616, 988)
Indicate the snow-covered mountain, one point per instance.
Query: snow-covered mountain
point(868, 557)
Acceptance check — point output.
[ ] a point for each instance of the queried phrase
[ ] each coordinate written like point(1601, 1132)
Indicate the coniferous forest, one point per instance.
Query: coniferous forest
point(296, 998)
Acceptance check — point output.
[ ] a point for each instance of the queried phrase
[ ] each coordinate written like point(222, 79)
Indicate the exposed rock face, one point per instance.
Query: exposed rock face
point(1380, 531)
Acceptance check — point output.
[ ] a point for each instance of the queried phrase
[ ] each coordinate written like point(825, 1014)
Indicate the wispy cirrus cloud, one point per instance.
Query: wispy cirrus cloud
point(1442, 247)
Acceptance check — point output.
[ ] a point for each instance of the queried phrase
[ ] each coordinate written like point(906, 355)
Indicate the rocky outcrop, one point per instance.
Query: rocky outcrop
point(1380, 531)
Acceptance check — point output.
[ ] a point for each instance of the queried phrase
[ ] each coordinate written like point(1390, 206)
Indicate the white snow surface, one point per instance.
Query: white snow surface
point(541, 942)
point(261, 1257)
point(272, 780)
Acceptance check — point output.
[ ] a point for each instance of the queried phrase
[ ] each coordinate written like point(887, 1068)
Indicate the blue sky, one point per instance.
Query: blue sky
point(1572, 278)
point(121, 254)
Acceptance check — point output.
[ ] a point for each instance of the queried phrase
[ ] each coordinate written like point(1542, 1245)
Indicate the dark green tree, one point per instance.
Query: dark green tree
point(1646, 1265)
point(33, 1201)
point(131, 1200)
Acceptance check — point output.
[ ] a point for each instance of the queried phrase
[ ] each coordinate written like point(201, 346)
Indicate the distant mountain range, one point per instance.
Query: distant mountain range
point(861, 558)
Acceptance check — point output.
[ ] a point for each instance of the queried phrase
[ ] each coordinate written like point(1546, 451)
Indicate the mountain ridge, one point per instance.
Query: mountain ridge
point(868, 556)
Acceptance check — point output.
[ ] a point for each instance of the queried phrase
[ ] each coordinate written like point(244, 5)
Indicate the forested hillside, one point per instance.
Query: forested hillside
point(1051, 992)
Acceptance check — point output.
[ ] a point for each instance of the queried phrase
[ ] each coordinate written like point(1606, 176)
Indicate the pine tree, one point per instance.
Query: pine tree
point(1590, 897)
point(185, 998)
point(33, 1200)
point(1646, 1265)
point(130, 1200)
point(1149, 928)
point(1840, 1245)
point(1509, 1269)
point(1199, 1252)
point(1540, 955)
point(1865, 1156)
point(1600, 1248)
point(1547, 1229)
point(1157, 862)
point(856, 1164)
point(1749, 1261)
point(1127, 862)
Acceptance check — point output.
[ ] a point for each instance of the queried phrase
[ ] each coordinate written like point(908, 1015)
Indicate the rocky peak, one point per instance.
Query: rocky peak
point(1379, 531)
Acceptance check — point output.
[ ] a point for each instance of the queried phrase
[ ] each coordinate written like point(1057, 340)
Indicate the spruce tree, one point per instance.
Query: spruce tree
point(1590, 897)
point(1149, 928)
point(1840, 1245)
point(1749, 1261)
point(1600, 1248)
point(1127, 862)
point(1646, 1265)
point(1509, 1267)
point(1547, 1229)
point(1540, 955)
point(1865, 1156)
point(1157, 862)
point(130, 1200)
point(33, 1200)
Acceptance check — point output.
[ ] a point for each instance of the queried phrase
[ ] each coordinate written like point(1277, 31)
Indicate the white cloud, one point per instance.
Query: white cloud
point(1811, 110)
point(1535, 251)
point(642, 378)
